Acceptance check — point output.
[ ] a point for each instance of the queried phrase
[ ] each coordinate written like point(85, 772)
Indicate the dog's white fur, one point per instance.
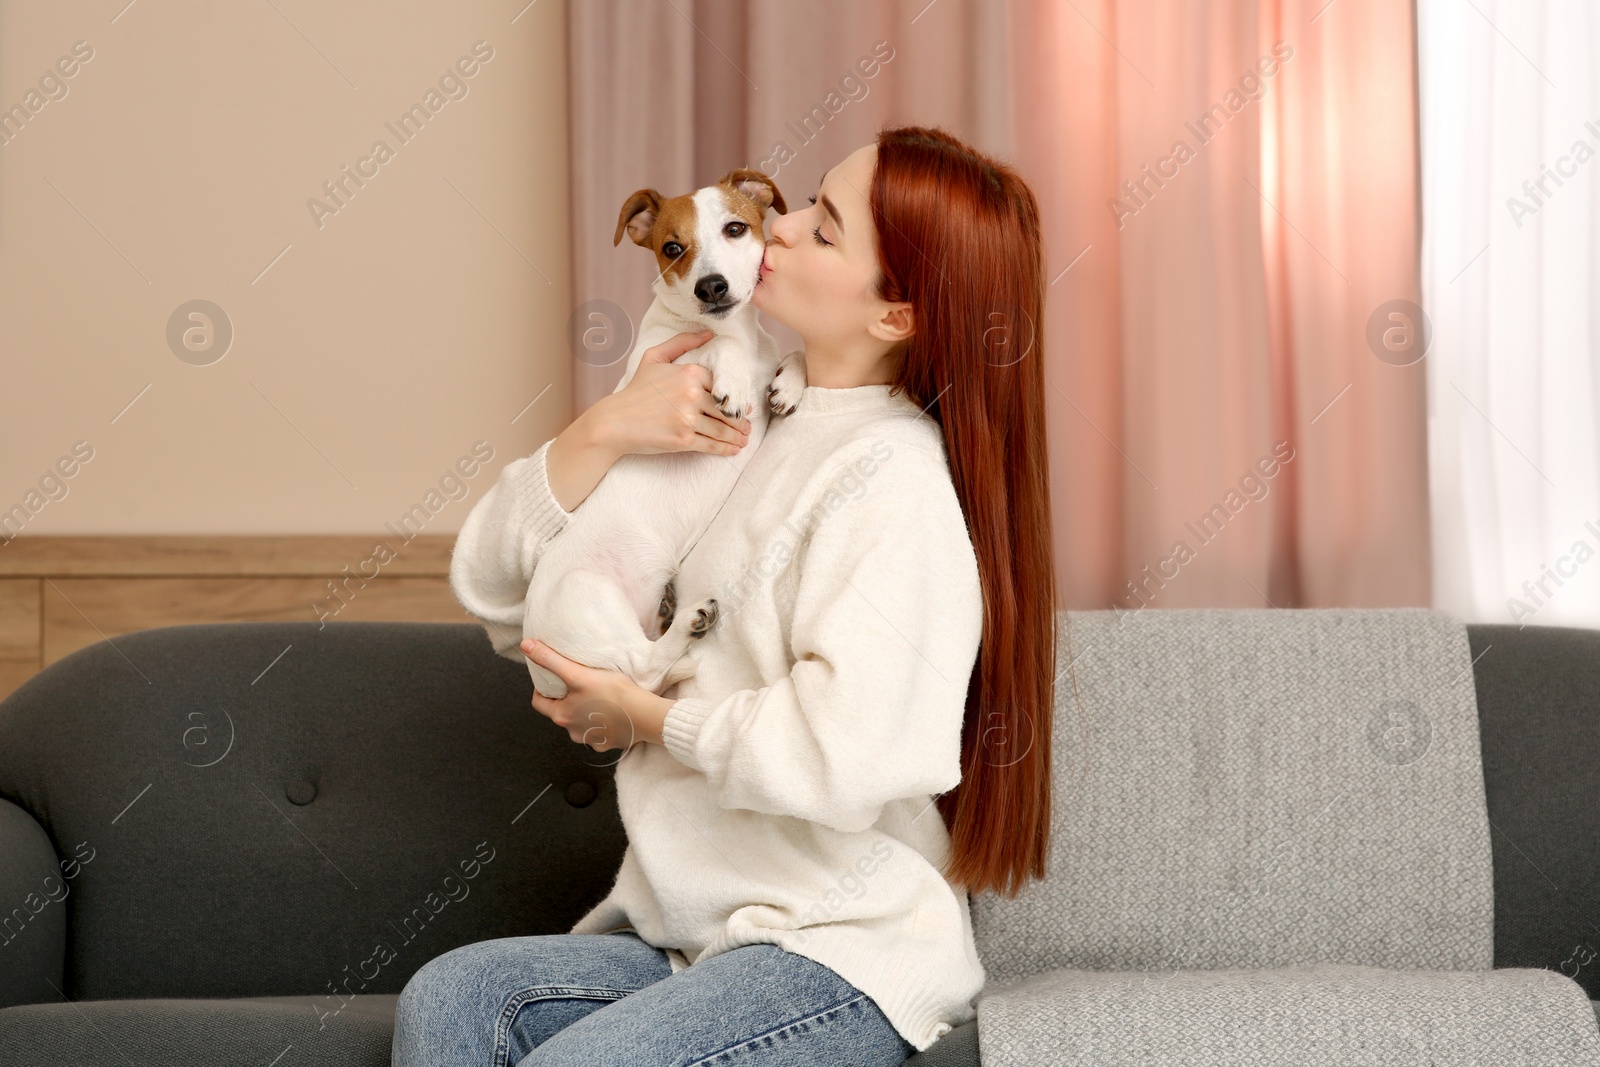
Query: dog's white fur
point(597, 591)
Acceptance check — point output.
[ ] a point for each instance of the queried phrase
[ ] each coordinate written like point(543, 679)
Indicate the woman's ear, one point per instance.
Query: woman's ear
point(895, 324)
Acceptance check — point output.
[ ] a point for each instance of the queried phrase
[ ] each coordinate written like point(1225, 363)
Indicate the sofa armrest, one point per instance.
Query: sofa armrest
point(33, 912)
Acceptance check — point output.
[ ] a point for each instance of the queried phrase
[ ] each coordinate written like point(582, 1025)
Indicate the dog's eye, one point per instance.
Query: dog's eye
point(672, 250)
point(734, 229)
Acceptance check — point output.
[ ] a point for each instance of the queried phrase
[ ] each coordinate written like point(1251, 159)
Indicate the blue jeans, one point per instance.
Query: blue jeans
point(598, 999)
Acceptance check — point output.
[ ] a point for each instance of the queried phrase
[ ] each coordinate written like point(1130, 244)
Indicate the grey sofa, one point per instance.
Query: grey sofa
point(235, 843)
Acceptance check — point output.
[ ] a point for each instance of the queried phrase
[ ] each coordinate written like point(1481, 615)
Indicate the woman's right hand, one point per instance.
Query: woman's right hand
point(667, 407)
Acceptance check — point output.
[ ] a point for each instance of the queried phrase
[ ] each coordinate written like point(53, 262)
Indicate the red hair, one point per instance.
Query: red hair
point(958, 239)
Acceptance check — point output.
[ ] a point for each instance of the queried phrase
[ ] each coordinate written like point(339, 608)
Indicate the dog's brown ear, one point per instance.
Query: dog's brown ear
point(638, 216)
point(758, 187)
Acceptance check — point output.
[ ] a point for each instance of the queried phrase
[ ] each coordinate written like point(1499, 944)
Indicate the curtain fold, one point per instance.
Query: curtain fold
point(1343, 240)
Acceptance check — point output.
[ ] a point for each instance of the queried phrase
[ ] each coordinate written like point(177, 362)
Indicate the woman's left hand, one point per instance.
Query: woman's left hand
point(602, 709)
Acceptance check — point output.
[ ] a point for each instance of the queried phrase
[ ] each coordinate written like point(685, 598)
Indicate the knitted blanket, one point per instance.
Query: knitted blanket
point(1250, 789)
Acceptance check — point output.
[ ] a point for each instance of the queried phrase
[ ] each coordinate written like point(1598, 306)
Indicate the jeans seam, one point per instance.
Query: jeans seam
point(779, 1029)
point(502, 1029)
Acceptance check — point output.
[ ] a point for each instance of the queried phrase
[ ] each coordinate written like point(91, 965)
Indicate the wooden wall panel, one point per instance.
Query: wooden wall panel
point(19, 632)
point(60, 594)
point(80, 611)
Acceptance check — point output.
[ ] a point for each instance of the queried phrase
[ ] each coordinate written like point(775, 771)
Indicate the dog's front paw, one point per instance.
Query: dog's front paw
point(783, 395)
point(732, 395)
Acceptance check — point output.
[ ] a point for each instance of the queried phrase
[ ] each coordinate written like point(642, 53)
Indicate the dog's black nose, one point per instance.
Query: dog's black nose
point(711, 289)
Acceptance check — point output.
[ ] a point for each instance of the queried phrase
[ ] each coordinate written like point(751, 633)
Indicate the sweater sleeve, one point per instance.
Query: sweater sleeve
point(499, 544)
point(886, 628)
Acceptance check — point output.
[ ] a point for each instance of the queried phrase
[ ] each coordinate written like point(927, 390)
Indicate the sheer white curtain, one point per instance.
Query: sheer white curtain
point(1510, 148)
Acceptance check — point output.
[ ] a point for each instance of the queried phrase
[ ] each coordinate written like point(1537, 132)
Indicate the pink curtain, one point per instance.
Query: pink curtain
point(1229, 196)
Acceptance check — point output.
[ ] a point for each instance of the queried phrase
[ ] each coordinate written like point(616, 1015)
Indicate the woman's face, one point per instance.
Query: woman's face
point(822, 263)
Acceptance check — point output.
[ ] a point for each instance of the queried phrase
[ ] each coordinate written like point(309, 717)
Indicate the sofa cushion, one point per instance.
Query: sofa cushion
point(957, 1048)
point(197, 1033)
point(1258, 788)
point(370, 1005)
point(1311, 1015)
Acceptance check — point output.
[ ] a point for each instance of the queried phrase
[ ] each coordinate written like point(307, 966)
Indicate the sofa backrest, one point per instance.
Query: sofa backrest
point(1259, 788)
point(274, 809)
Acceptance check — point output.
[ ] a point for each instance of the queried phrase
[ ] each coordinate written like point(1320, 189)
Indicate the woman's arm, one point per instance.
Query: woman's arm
point(578, 458)
point(500, 543)
point(888, 618)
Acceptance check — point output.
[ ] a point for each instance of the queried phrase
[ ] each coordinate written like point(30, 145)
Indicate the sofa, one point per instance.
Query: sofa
point(1279, 836)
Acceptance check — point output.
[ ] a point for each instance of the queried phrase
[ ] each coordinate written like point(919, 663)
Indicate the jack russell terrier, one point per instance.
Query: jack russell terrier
point(604, 584)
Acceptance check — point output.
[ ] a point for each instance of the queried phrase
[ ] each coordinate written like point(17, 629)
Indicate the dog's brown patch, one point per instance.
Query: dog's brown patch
point(676, 222)
point(748, 193)
point(654, 223)
point(742, 183)
point(745, 209)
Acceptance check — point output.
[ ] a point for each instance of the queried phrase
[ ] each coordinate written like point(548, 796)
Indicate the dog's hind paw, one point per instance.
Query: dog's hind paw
point(668, 608)
point(705, 617)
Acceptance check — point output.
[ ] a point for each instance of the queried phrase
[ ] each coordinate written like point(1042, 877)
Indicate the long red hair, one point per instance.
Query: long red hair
point(959, 239)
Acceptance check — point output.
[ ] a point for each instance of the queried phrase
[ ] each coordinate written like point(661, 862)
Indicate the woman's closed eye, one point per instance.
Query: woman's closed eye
point(816, 231)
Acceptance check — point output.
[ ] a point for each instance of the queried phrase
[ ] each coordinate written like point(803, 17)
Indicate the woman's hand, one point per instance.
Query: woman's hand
point(667, 407)
point(602, 709)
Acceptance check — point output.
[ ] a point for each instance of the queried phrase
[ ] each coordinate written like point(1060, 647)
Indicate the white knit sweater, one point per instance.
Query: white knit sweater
point(793, 800)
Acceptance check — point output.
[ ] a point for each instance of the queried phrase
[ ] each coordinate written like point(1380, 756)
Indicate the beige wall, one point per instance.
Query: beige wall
point(370, 353)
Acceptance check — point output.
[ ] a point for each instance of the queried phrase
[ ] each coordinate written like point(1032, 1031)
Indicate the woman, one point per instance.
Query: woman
point(885, 644)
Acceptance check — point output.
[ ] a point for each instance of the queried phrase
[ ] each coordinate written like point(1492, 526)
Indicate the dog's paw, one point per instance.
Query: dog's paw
point(783, 395)
point(547, 683)
point(704, 618)
point(668, 607)
point(732, 395)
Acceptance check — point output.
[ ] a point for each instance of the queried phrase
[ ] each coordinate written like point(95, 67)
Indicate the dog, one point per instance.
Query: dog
point(605, 584)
